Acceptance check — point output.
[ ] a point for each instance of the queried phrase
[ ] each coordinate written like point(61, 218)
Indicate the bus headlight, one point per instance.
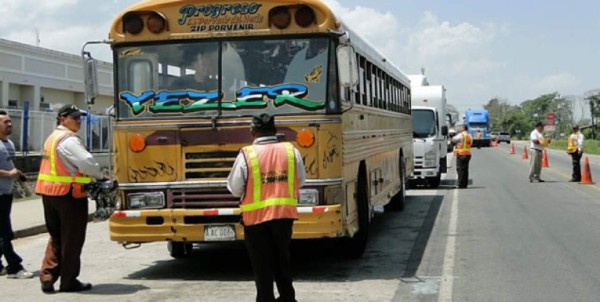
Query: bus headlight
point(146, 200)
point(429, 158)
point(308, 197)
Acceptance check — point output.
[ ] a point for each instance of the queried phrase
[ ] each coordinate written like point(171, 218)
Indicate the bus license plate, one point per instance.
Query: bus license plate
point(219, 233)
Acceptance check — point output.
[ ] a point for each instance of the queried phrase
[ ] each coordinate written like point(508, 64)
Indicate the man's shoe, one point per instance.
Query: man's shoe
point(79, 287)
point(574, 180)
point(47, 287)
point(541, 180)
point(530, 179)
point(3, 271)
point(22, 274)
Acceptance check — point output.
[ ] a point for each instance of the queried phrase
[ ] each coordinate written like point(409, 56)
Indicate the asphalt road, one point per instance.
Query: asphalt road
point(503, 239)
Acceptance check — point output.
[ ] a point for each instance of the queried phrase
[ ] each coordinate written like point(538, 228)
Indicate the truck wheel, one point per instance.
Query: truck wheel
point(397, 202)
point(179, 249)
point(356, 245)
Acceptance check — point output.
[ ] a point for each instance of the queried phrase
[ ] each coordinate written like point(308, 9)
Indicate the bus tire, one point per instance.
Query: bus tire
point(179, 249)
point(397, 202)
point(356, 245)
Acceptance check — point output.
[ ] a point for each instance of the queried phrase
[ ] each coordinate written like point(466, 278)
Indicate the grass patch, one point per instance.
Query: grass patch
point(589, 146)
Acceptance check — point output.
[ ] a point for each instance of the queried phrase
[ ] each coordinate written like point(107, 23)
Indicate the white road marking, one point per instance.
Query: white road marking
point(447, 282)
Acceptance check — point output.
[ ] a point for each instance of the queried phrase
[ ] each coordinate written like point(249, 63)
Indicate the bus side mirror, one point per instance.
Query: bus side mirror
point(90, 77)
point(347, 67)
point(444, 130)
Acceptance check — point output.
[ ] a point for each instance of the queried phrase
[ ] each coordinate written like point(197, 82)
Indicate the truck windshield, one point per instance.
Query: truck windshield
point(424, 124)
point(209, 78)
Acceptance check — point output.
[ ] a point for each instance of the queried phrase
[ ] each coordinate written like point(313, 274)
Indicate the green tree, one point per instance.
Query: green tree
point(595, 112)
point(516, 122)
point(539, 107)
point(497, 109)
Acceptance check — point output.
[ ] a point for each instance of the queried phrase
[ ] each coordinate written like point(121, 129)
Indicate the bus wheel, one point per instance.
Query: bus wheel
point(179, 249)
point(397, 202)
point(356, 245)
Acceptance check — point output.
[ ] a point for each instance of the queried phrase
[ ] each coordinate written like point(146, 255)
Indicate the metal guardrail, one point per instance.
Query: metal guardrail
point(31, 128)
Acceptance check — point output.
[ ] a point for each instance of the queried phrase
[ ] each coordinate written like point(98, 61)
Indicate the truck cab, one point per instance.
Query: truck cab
point(429, 133)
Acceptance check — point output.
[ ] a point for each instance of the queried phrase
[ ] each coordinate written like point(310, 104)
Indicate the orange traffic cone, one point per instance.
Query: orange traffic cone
point(586, 176)
point(545, 159)
point(512, 149)
point(525, 153)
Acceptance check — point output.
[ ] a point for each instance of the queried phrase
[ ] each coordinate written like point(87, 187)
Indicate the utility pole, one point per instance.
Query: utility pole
point(592, 99)
point(37, 37)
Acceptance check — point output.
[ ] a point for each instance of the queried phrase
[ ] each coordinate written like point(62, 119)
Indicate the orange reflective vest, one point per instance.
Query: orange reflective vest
point(272, 186)
point(464, 148)
point(54, 179)
point(572, 143)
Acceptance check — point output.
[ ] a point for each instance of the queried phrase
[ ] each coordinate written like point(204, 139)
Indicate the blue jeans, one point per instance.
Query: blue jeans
point(6, 235)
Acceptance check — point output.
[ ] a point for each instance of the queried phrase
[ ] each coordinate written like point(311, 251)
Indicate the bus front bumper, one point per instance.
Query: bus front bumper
point(421, 173)
point(150, 225)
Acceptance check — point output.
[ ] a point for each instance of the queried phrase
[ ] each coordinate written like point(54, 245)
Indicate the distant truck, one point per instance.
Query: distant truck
point(430, 131)
point(478, 125)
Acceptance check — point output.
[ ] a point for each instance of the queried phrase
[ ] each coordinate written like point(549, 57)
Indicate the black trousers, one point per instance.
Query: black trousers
point(66, 221)
point(462, 170)
point(6, 236)
point(576, 157)
point(268, 246)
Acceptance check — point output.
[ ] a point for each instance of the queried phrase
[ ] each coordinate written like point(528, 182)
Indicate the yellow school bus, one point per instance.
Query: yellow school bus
point(189, 75)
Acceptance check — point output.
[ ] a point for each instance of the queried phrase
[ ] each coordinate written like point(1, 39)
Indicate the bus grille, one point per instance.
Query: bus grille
point(418, 162)
point(204, 199)
point(203, 165)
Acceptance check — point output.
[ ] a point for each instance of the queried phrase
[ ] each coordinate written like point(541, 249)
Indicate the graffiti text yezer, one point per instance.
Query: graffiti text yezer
point(184, 101)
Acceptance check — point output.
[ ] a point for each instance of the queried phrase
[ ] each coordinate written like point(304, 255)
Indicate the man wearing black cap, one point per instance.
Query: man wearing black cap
point(575, 149)
point(267, 176)
point(537, 142)
point(66, 166)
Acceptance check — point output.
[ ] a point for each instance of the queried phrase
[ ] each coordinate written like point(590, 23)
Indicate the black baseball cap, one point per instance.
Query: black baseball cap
point(71, 110)
point(263, 122)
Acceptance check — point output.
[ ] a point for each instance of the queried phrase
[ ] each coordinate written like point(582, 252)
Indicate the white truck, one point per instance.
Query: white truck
point(430, 131)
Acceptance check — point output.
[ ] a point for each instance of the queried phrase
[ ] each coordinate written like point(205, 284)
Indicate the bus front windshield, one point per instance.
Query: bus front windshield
point(283, 76)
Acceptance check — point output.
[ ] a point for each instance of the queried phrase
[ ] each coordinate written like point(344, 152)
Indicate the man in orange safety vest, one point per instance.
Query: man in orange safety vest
point(575, 149)
point(66, 166)
point(462, 151)
point(267, 176)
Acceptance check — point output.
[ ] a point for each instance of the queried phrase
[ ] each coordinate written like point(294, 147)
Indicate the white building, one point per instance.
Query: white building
point(48, 79)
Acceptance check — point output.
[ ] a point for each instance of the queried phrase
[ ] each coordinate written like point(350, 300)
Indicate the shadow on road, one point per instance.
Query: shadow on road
point(112, 289)
point(397, 241)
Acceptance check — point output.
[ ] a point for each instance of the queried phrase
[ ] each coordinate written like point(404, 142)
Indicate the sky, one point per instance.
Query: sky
point(479, 50)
